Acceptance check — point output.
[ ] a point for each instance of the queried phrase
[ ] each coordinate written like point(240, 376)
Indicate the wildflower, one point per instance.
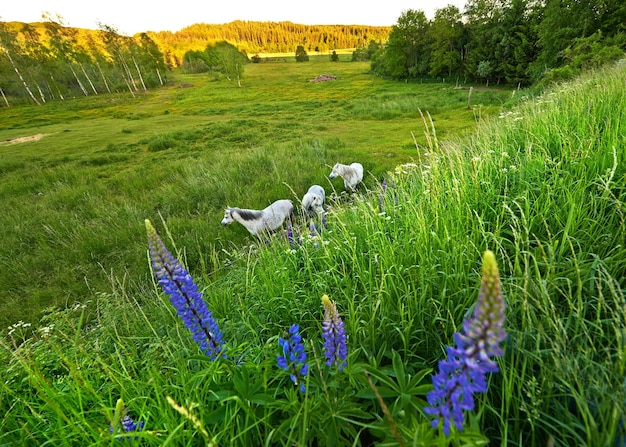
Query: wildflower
point(294, 359)
point(184, 296)
point(124, 424)
point(20, 325)
point(312, 229)
point(384, 186)
point(464, 371)
point(335, 349)
point(324, 221)
point(290, 233)
point(127, 425)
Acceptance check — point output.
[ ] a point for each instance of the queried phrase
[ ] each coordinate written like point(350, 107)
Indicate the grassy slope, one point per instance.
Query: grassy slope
point(75, 200)
point(543, 187)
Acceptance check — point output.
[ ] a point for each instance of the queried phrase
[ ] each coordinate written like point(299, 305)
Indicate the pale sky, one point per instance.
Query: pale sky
point(132, 16)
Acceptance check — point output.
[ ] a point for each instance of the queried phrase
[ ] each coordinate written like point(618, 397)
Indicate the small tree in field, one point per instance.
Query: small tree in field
point(334, 57)
point(301, 55)
point(484, 70)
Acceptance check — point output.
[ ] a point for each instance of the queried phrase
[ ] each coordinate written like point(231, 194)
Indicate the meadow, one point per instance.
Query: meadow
point(75, 199)
point(538, 188)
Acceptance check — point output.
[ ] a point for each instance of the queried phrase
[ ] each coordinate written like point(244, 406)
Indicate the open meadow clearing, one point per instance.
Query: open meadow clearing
point(79, 176)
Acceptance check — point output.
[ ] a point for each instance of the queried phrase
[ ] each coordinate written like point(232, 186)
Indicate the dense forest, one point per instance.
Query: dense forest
point(520, 42)
point(267, 37)
point(511, 41)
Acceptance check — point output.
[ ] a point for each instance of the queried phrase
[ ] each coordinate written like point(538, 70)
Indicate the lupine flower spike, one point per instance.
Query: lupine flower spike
point(381, 204)
point(381, 198)
point(124, 424)
point(464, 371)
point(290, 234)
point(312, 229)
point(335, 349)
point(293, 359)
point(184, 296)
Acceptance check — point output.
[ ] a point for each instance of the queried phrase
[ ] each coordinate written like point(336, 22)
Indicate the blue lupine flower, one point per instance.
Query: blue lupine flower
point(395, 193)
point(381, 204)
point(324, 221)
point(290, 233)
point(464, 371)
point(127, 425)
point(184, 296)
point(294, 359)
point(335, 349)
point(312, 229)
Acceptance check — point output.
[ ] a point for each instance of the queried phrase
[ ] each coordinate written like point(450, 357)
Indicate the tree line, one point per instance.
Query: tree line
point(512, 41)
point(49, 61)
point(501, 41)
point(267, 37)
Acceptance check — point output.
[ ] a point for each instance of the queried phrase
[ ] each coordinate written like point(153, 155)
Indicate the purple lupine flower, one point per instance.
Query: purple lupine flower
point(127, 425)
point(384, 186)
point(290, 233)
point(335, 349)
point(294, 359)
point(464, 371)
point(184, 296)
point(312, 229)
point(381, 204)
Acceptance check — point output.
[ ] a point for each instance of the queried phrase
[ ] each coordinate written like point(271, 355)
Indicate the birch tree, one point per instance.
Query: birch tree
point(9, 49)
point(117, 48)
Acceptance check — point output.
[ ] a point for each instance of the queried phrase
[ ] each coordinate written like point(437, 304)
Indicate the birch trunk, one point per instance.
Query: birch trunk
point(80, 84)
point(159, 75)
point(4, 97)
point(41, 94)
point(104, 79)
point(19, 74)
point(130, 89)
point(128, 73)
point(57, 87)
point(140, 76)
point(88, 78)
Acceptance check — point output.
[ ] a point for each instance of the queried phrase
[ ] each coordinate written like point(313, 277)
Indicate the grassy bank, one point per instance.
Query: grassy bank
point(541, 186)
point(79, 176)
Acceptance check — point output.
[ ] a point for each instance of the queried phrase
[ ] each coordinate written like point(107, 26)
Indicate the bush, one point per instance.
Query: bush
point(301, 55)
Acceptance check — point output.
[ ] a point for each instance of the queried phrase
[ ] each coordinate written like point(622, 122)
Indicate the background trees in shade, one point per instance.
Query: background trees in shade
point(504, 41)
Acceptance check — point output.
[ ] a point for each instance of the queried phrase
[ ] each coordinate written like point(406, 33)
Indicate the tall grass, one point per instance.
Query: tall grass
point(541, 186)
point(75, 200)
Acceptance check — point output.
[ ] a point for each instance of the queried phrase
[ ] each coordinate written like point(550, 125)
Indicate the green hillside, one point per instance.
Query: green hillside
point(81, 175)
point(541, 186)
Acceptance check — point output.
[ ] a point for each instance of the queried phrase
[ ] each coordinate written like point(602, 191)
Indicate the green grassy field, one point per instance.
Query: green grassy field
point(541, 185)
point(90, 170)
